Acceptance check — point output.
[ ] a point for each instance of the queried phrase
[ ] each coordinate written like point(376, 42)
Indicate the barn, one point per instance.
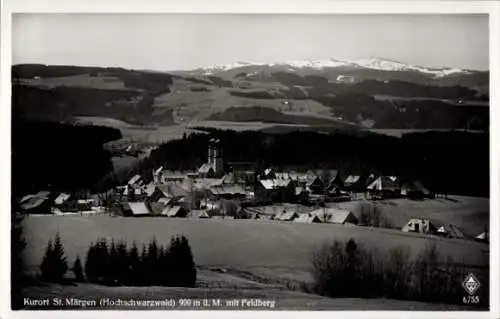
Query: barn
point(420, 225)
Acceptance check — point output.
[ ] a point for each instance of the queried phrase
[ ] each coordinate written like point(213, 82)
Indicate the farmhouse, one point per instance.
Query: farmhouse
point(278, 190)
point(483, 237)
point(227, 191)
point(307, 219)
point(36, 204)
point(420, 225)
point(385, 187)
point(335, 216)
point(451, 231)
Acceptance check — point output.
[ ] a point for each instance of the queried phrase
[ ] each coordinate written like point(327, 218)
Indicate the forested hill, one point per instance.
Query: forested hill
point(59, 157)
point(453, 162)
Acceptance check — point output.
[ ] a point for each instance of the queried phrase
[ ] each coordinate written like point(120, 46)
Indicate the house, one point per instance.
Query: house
point(198, 214)
point(385, 187)
point(335, 216)
point(307, 219)
point(330, 177)
point(420, 225)
point(287, 216)
point(36, 204)
point(278, 190)
point(450, 231)
point(415, 190)
point(356, 185)
point(136, 209)
point(227, 191)
point(483, 237)
point(174, 211)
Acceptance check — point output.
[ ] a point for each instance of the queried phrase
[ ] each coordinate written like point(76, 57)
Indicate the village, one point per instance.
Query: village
point(240, 192)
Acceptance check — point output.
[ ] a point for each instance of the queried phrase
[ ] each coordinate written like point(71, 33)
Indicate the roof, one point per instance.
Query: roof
point(32, 202)
point(351, 179)
point(208, 182)
point(483, 236)
point(150, 189)
point(286, 215)
point(227, 190)
point(172, 211)
point(451, 230)
point(43, 194)
point(333, 215)
point(138, 208)
point(299, 190)
point(134, 179)
point(389, 183)
point(25, 198)
point(172, 190)
point(61, 198)
point(158, 207)
point(268, 171)
point(274, 183)
point(205, 168)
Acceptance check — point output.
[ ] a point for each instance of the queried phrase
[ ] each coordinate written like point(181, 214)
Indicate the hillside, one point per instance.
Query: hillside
point(376, 94)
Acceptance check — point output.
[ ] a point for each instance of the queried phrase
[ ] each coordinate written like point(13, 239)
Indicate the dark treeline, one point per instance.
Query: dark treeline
point(152, 264)
point(416, 114)
point(53, 156)
point(155, 83)
point(61, 103)
point(349, 270)
point(319, 86)
point(452, 162)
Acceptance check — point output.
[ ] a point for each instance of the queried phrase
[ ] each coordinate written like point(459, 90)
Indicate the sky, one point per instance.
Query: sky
point(187, 41)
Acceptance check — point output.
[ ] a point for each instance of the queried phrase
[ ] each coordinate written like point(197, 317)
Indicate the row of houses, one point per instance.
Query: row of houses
point(426, 225)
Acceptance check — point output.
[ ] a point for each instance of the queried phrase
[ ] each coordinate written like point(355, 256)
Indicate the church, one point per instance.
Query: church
point(214, 168)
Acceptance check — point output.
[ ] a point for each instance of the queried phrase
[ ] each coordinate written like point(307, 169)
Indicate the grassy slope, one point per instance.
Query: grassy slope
point(190, 106)
point(469, 213)
point(268, 249)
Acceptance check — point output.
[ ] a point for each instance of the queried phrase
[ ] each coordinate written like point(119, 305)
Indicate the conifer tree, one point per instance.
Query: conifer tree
point(134, 264)
point(122, 263)
point(78, 269)
point(46, 267)
point(54, 265)
point(188, 267)
point(91, 263)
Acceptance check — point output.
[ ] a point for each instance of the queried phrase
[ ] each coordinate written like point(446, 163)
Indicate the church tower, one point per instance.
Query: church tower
point(218, 161)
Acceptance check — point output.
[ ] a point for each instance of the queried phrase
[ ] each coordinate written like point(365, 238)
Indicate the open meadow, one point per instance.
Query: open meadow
point(267, 249)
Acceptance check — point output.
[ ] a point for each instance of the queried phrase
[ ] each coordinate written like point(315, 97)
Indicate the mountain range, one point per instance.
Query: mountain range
point(367, 93)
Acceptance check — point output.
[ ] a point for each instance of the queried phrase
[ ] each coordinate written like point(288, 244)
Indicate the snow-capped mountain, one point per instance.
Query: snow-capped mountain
point(388, 65)
point(321, 64)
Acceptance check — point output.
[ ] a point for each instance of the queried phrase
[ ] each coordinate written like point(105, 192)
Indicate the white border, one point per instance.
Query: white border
point(250, 6)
